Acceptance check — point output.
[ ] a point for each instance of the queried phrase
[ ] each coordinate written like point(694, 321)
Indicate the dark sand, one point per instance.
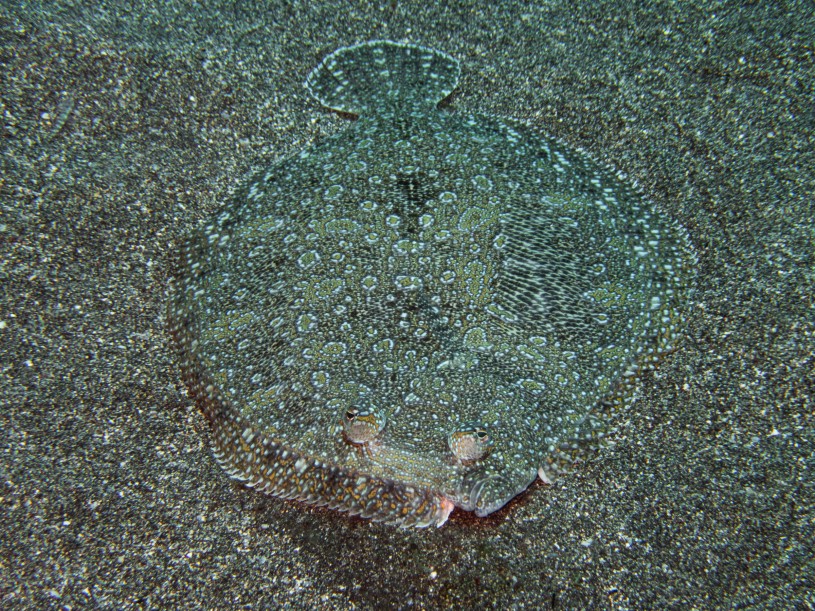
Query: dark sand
point(123, 129)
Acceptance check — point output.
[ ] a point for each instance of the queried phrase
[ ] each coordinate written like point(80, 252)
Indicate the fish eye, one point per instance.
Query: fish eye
point(362, 424)
point(469, 441)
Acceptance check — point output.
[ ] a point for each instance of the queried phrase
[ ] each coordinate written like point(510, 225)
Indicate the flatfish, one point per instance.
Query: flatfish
point(426, 310)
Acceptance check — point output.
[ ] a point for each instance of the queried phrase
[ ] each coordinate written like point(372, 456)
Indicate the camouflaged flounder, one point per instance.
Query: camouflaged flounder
point(426, 310)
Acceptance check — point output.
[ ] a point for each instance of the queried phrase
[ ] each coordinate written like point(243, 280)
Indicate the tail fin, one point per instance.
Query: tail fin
point(383, 74)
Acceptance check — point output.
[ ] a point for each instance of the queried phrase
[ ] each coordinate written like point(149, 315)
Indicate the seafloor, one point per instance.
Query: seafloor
point(124, 125)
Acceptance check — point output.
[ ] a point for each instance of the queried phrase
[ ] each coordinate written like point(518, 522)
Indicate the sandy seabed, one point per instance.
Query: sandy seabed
point(123, 128)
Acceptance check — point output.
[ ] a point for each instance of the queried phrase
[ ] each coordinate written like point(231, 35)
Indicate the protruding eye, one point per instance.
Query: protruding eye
point(470, 441)
point(363, 424)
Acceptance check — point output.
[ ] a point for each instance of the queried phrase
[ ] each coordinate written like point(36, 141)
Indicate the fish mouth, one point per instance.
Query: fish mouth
point(491, 493)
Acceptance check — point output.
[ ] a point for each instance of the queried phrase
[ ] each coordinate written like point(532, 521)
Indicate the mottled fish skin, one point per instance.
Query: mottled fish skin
point(426, 310)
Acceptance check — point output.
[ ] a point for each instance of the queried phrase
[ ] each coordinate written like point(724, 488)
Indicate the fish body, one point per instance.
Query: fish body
point(426, 310)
